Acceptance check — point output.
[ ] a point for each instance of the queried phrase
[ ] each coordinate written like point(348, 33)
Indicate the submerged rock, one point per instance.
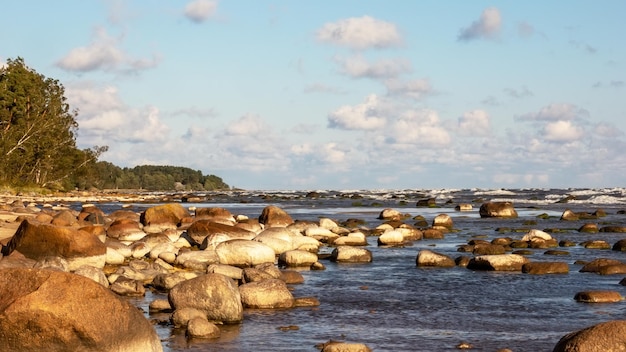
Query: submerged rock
point(603, 337)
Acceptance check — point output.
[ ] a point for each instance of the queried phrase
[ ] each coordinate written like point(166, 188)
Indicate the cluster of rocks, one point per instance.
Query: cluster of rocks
point(62, 273)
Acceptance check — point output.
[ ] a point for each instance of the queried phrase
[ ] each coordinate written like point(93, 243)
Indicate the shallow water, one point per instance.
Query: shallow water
point(391, 305)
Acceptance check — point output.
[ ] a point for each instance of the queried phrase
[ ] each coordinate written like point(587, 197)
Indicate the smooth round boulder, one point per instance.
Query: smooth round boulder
point(427, 258)
point(37, 241)
point(498, 262)
point(390, 214)
point(297, 258)
point(534, 233)
point(598, 297)
point(244, 253)
point(45, 310)
point(347, 254)
point(266, 294)
point(569, 215)
point(273, 216)
point(125, 229)
point(608, 336)
point(338, 346)
point(540, 268)
point(214, 294)
point(443, 221)
point(201, 328)
point(497, 210)
point(390, 238)
point(201, 229)
point(352, 239)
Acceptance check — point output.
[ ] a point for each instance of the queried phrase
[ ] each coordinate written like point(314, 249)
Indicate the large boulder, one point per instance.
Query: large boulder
point(347, 254)
point(199, 230)
point(426, 257)
point(272, 216)
point(216, 214)
point(244, 253)
point(37, 241)
point(497, 210)
point(297, 258)
point(214, 294)
point(443, 221)
point(163, 216)
point(603, 337)
point(390, 214)
point(266, 294)
point(46, 310)
point(498, 262)
point(125, 229)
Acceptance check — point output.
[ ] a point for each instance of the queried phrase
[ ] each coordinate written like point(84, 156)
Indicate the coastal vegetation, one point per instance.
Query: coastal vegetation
point(38, 147)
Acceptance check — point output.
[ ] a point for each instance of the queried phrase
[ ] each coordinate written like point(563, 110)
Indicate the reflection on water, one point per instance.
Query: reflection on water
point(392, 305)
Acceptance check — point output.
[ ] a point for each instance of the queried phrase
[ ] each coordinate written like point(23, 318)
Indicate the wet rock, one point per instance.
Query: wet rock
point(620, 245)
point(181, 317)
point(488, 249)
point(306, 302)
point(390, 238)
point(598, 297)
point(244, 253)
point(608, 336)
point(79, 315)
point(214, 294)
point(128, 287)
point(443, 221)
point(612, 269)
point(321, 234)
point(556, 252)
point(297, 258)
point(233, 272)
point(291, 277)
point(428, 203)
point(266, 294)
point(463, 207)
point(540, 268)
point(569, 215)
point(613, 229)
point(37, 241)
point(596, 244)
point(390, 214)
point(337, 346)
point(536, 234)
point(272, 216)
point(427, 258)
point(497, 210)
point(588, 228)
point(595, 265)
point(501, 262)
point(201, 328)
point(433, 234)
point(352, 239)
point(346, 254)
point(166, 281)
point(159, 306)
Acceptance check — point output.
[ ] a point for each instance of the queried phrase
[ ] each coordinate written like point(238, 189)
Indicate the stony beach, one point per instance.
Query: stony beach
point(197, 270)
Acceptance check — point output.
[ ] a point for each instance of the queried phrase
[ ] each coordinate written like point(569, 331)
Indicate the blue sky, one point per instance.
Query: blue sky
point(342, 94)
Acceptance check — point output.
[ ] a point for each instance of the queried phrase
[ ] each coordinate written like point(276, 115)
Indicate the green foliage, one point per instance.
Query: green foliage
point(153, 178)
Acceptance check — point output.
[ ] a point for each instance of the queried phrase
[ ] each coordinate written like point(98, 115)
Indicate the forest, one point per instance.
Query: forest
point(38, 144)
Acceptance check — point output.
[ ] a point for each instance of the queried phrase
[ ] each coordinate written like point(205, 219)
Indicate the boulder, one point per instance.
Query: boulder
point(463, 207)
point(498, 262)
point(126, 230)
point(64, 218)
point(390, 214)
point(297, 258)
point(588, 228)
point(232, 272)
point(279, 238)
point(215, 214)
point(93, 273)
point(598, 297)
point(37, 241)
point(569, 215)
point(613, 229)
point(338, 346)
point(273, 216)
point(426, 257)
point(390, 238)
point(596, 265)
point(166, 281)
point(347, 254)
point(539, 268)
point(164, 216)
point(443, 221)
point(201, 328)
point(44, 310)
point(352, 239)
point(433, 234)
point(607, 336)
point(620, 245)
point(321, 234)
point(596, 244)
point(533, 234)
point(497, 210)
point(199, 230)
point(266, 294)
point(128, 287)
point(214, 294)
point(244, 253)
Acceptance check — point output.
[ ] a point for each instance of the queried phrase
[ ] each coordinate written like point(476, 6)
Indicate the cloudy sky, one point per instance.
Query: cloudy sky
point(342, 94)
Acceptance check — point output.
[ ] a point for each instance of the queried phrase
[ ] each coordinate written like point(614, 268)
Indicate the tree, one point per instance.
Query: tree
point(37, 129)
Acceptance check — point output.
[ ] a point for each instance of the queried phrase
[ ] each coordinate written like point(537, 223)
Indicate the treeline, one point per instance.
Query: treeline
point(105, 175)
point(38, 144)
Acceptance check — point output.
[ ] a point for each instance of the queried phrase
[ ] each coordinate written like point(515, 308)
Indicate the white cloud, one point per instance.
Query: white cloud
point(419, 127)
point(333, 153)
point(360, 33)
point(247, 125)
point(415, 89)
point(364, 116)
point(358, 67)
point(608, 130)
point(200, 10)
point(104, 54)
point(556, 112)
point(487, 26)
point(562, 131)
point(475, 123)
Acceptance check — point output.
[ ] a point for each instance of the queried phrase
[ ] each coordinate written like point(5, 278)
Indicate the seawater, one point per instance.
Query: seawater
point(392, 305)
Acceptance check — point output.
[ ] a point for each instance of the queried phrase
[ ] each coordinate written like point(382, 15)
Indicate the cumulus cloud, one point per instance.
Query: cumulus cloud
point(554, 112)
point(608, 130)
point(358, 67)
point(103, 53)
point(247, 125)
point(474, 123)
point(364, 116)
point(415, 89)
point(562, 131)
point(523, 92)
point(419, 127)
point(103, 117)
point(487, 26)
point(360, 33)
point(200, 10)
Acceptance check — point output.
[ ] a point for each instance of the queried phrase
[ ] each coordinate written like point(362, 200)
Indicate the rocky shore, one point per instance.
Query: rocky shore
point(66, 275)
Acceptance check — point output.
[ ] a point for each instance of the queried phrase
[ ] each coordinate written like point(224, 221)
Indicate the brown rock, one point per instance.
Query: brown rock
point(37, 241)
point(274, 216)
point(603, 337)
point(499, 262)
point(171, 213)
point(595, 265)
point(598, 297)
point(497, 210)
point(429, 258)
point(266, 294)
point(44, 310)
point(540, 268)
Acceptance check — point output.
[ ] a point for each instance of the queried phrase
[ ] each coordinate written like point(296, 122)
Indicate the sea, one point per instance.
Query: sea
point(391, 304)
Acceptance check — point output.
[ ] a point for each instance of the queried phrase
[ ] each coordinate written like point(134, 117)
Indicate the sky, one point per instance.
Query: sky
point(346, 94)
